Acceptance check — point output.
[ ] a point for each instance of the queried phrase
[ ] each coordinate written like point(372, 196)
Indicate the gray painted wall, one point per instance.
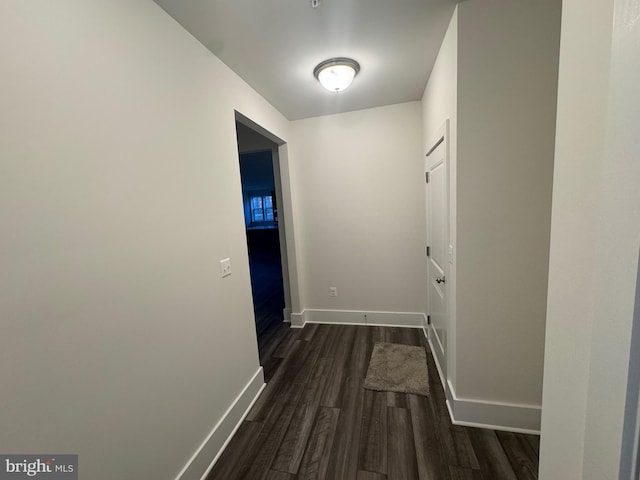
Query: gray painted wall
point(119, 194)
point(495, 80)
point(507, 84)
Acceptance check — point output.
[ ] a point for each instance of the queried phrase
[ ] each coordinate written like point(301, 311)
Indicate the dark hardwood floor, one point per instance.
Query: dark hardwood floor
point(267, 292)
point(314, 420)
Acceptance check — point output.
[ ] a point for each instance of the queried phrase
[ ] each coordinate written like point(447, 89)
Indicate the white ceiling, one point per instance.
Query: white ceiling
point(275, 44)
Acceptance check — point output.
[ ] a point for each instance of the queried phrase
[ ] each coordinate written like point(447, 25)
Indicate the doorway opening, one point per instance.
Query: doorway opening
point(266, 239)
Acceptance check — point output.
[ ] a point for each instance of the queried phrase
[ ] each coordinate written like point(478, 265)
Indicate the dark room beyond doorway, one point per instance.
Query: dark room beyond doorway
point(262, 224)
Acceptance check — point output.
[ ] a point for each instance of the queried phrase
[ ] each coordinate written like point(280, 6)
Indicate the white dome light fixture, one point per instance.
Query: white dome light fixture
point(336, 74)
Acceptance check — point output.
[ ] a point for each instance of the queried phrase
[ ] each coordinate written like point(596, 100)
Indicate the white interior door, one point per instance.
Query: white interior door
point(437, 251)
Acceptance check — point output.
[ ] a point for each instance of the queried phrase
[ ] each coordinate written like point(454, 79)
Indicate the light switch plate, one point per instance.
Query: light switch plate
point(225, 267)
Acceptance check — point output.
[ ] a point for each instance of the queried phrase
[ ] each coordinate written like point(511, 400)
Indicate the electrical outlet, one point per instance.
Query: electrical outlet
point(333, 291)
point(225, 267)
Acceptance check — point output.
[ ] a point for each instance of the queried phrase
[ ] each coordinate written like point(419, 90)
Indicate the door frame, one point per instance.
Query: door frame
point(282, 178)
point(630, 452)
point(441, 136)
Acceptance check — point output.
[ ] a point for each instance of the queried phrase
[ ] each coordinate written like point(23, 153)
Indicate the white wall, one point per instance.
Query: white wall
point(495, 79)
point(439, 103)
point(439, 100)
point(595, 240)
point(507, 82)
point(360, 201)
point(582, 84)
point(119, 193)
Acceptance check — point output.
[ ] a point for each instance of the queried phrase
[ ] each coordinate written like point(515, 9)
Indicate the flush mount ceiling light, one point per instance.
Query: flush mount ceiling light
point(336, 74)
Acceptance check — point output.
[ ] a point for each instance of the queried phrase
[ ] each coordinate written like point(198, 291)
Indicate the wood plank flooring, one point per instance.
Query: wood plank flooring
point(314, 420)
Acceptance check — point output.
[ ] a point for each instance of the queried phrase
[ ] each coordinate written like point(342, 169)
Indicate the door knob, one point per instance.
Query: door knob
point(440, 279)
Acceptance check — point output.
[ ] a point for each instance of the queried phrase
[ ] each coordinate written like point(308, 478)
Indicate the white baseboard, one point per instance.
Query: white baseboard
point(298, 320)
point(201, 463)
point(438, 352)
point(350, 317)
point(481, 413)
point(428, 332)
point(494, 415)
